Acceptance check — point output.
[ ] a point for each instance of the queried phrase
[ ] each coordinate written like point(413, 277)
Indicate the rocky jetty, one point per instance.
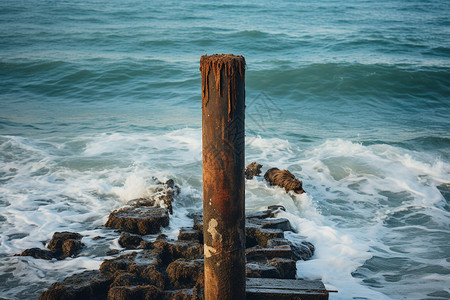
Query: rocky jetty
point(173, 269)
point(163, 268)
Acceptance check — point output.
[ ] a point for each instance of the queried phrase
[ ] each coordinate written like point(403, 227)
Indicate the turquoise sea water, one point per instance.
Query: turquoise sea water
point(353, 97)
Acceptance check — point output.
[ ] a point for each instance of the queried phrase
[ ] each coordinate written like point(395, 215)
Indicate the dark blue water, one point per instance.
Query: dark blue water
point(96, 97)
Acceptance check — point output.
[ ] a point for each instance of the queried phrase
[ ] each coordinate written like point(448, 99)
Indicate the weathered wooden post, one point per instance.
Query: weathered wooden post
point(223, 103)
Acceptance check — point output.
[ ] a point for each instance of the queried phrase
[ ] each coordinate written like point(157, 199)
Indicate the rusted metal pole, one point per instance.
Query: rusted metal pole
point(223, 103)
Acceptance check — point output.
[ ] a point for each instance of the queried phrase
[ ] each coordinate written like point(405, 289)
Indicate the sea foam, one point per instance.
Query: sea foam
point(361, 203)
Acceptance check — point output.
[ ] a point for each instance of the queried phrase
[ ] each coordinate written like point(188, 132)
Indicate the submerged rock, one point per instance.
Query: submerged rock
point(139, 220)
point(284, 179)
point(253, 169)
point(62, 245)
point(38, 253)
point(112, 252)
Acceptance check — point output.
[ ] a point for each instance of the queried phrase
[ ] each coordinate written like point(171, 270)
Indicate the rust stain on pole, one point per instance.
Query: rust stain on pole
point(223, 138)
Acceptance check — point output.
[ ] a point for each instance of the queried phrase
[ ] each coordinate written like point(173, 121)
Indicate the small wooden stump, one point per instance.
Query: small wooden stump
point(284, 289)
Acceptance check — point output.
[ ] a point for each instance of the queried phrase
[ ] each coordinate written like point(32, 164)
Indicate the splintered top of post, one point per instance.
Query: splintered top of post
point(221, 57)
point(231, 65)
point(216, 62)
